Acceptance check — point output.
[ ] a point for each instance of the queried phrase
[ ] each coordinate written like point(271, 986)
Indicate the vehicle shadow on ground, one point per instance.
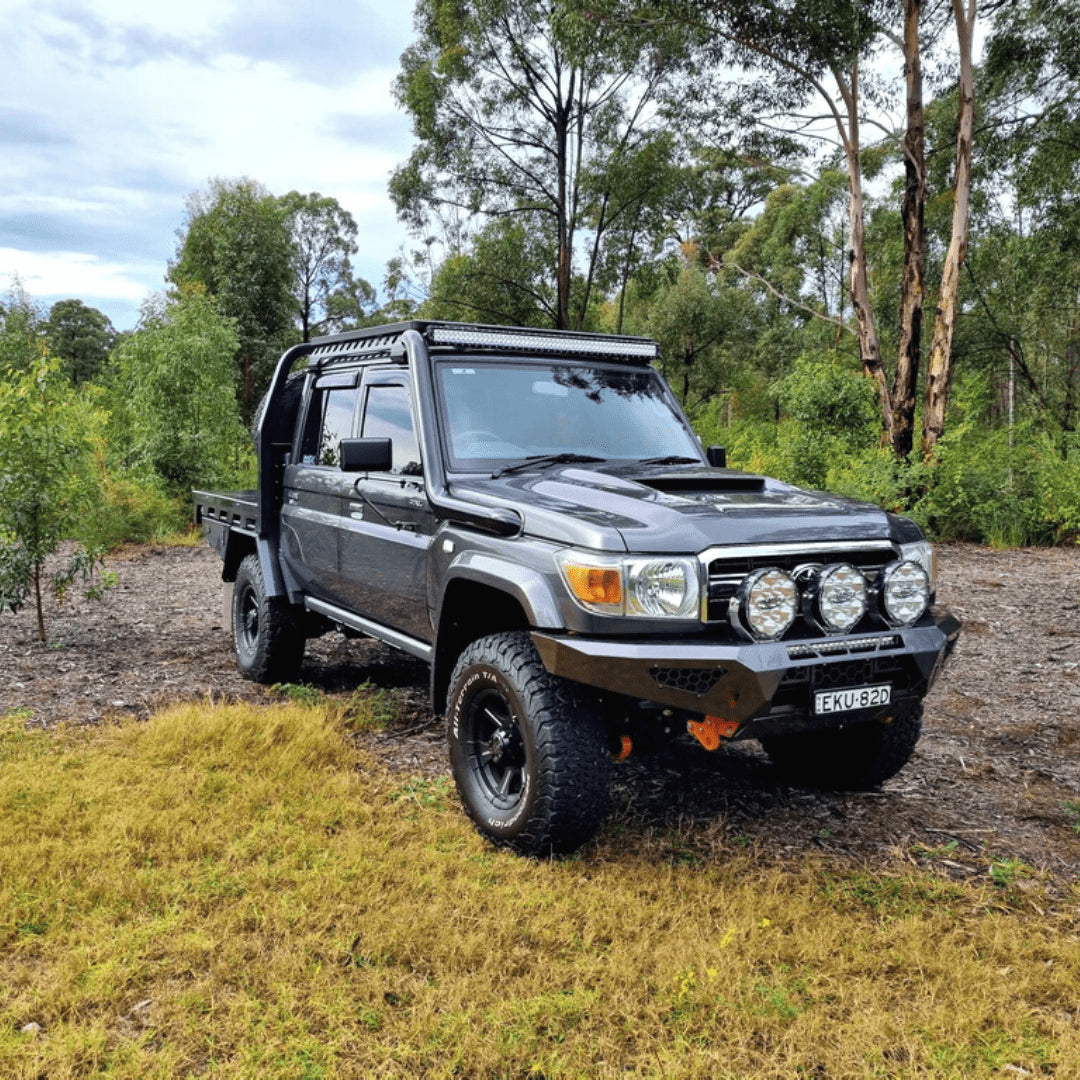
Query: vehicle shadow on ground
point(669, 788)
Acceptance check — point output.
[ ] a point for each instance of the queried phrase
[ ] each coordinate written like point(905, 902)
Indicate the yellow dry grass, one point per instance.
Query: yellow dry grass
point(237, 892)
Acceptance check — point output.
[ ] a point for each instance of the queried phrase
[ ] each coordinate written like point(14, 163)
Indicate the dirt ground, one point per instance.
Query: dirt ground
point(992, 778)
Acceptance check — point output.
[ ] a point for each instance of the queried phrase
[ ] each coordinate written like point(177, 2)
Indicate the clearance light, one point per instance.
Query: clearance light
point(586, 345)
point(595, 585)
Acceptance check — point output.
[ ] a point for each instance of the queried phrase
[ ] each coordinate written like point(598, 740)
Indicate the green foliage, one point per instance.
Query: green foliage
point(326, 296)
point(46, 483)
point(132, 509)
point(174, 414)
point(20, 330)
point(832, 425)
point(81, 336)
point(500, 279)
point(689, 320)
point(237, 243)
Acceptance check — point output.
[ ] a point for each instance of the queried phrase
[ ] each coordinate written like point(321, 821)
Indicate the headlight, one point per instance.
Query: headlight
point(661, 587)
point(765, 604)
point(837, 598)
point(904, 592)
point(647, 588)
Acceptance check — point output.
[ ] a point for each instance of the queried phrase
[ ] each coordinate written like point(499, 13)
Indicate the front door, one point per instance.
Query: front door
point(387, 525)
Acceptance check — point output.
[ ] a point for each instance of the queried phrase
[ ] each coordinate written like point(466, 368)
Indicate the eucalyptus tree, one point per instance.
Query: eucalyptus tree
point(327, 297)
point(1026, 277)
point(236, 242)
point(538, 113)
point(814, 70)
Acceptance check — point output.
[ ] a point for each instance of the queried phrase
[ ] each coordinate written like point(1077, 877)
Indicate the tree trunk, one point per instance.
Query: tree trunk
point(562, 215)
point(901, 432)
point(37, 601)
point(866, 327)
point(939, 366)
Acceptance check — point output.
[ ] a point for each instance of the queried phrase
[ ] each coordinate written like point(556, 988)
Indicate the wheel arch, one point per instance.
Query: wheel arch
point(471, 609)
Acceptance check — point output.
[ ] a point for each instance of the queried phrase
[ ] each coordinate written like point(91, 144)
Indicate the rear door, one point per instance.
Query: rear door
point(388, 524)
point(315, 488)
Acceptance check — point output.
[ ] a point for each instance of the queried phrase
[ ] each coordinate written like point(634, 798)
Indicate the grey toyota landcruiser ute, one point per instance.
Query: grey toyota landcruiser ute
point(531, 514)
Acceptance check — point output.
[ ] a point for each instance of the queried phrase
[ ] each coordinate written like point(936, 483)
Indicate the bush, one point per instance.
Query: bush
point(1002, 489)
point(173, 407)
point(983, 486)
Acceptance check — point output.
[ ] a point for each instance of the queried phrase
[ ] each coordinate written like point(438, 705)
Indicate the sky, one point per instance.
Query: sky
point(113, 111)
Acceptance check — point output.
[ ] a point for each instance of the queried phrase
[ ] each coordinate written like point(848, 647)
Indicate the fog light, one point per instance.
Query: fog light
point(765, 604)
point(905, 592)
point(838, 598)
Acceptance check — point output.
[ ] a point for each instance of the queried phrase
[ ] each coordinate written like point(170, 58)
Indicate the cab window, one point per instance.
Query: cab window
point(329, 420)
point(387, 415)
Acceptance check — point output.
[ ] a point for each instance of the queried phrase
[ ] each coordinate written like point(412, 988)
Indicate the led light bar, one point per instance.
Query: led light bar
point(511, 339)
point(825, 648)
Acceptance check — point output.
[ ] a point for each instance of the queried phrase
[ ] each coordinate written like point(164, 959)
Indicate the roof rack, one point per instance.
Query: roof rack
point(527, 339)
point(371, 341)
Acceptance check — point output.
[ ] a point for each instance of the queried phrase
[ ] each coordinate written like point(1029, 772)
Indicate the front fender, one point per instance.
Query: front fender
point(529, 587)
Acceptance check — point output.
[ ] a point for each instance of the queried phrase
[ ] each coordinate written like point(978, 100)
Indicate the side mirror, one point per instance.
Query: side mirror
point(366, 455)
point(717, 456)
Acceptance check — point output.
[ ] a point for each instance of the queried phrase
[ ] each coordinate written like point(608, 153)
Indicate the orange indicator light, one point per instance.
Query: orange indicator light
point(594, 584)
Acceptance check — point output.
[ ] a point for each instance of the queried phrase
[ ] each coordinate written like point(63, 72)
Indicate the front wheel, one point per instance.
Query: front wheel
point(853, 758)
point(267, 631)
point(528, 750)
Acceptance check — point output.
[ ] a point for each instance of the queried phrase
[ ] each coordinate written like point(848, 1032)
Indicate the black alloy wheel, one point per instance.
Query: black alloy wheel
point(267, 631)
point(529, 751)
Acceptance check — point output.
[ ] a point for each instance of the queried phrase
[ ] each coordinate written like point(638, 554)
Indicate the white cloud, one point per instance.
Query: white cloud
point(70, 273)
point(113, 111)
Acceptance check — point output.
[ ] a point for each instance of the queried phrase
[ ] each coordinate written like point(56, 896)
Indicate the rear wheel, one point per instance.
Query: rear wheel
point(267, 631)
point(853, 758)
point(528, 750)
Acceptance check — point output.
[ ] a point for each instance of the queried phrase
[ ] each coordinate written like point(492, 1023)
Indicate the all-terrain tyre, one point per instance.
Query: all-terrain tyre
point(267, 631)
point(529, 751)
point(853, 758)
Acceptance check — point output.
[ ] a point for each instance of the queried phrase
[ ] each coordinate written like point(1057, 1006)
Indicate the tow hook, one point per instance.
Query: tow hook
point(712, 730)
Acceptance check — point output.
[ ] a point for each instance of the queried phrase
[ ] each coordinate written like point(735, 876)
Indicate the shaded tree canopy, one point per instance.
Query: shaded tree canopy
point(81, 336)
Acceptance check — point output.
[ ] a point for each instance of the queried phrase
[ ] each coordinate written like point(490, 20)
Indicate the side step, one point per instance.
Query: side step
point(414, 646)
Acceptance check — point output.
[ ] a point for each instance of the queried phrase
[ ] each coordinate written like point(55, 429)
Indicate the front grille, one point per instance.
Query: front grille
point(696, 681)
point(728, 568)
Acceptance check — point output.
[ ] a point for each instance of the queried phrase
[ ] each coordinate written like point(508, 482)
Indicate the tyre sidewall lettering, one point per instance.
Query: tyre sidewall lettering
point(479, 678)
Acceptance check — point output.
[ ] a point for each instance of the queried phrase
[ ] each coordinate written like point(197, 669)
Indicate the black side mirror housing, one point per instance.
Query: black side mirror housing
point(366, 455)
point(717, 456)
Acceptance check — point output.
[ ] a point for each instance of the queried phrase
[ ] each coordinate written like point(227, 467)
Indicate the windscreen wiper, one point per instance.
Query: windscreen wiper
point(565, 458)
point(671, 459)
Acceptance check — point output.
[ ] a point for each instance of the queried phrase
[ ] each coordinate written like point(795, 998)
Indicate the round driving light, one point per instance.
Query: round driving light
point(905, 592)
point(765, 604)
point(839, 598)
point(661, 588)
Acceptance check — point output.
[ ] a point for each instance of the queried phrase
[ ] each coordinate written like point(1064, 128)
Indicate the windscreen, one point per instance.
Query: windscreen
point(499, 414)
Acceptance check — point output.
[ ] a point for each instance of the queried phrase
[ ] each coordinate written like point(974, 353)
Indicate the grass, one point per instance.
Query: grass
point(1072, 815)
point(239, 892)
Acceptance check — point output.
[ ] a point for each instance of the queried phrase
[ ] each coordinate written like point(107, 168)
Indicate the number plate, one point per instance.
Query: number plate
point(857, 697)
